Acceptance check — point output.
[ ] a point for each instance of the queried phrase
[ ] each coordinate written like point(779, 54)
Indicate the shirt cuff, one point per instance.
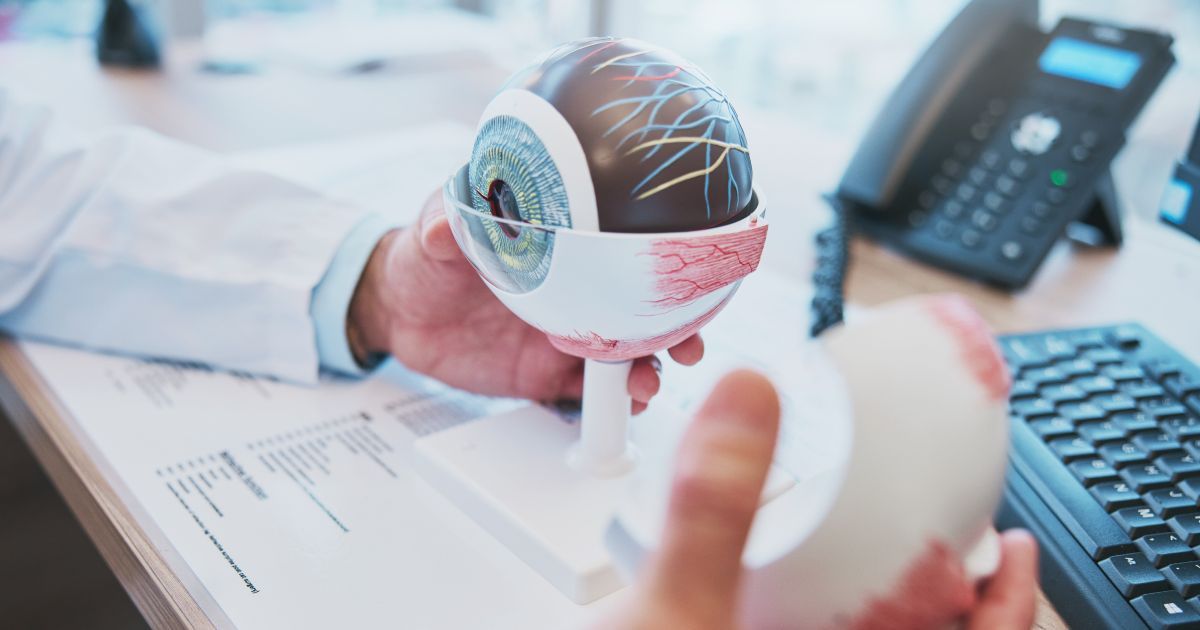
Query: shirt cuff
point(331, 297)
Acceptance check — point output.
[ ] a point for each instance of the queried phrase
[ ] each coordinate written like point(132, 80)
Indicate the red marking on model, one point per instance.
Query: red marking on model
point(975, 341)
point(687, 269)
point(657, 77)
point(596, 51)
point(933, 593)
point(592, 346)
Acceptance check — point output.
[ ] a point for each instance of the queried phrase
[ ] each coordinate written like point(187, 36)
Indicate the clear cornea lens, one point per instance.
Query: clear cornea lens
point(512, 255)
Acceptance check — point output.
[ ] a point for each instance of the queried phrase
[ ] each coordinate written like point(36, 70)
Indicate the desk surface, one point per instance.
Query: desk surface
point(1076, 286)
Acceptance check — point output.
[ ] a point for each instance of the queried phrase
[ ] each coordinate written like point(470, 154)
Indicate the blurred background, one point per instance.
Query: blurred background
point(771, 54)
point(237, 75)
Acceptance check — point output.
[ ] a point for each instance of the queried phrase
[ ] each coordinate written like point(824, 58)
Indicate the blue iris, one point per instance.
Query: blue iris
point(513, 176)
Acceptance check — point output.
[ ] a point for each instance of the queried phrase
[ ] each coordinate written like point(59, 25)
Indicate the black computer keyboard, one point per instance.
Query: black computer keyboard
point(1105, 470)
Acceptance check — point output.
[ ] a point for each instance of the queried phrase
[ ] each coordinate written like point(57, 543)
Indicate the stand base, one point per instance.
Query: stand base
point(510, 473)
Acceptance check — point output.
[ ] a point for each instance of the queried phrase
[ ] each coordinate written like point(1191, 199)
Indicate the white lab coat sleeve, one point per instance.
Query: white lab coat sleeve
point(138, 244)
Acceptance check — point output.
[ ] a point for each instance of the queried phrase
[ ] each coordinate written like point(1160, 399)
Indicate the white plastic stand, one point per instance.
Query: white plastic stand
point(604, 448)
point(544, 487)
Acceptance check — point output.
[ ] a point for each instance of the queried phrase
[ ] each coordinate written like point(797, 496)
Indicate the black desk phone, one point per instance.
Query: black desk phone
point(1000, 137)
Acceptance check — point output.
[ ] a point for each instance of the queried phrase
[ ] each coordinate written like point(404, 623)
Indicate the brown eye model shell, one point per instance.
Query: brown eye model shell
point(664, 146)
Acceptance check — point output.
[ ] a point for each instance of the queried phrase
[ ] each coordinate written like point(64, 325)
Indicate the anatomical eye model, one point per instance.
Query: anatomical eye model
point(609, 202)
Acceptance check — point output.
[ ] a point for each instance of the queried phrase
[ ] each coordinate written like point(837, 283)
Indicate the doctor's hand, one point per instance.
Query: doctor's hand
point(693, 579)
point(421, 301)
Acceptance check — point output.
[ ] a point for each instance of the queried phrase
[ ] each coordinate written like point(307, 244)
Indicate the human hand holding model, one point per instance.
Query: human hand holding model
point(421, 301)
point(693, 580)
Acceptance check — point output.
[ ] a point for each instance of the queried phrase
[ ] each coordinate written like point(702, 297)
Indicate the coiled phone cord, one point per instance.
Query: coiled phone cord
point(829, 275)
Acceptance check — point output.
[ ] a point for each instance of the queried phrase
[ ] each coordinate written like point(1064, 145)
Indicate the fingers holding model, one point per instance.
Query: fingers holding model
point(695, 577)
point(421, 301)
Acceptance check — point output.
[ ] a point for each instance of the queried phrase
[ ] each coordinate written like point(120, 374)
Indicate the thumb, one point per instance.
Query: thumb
point(434, 233)
point(721, 467)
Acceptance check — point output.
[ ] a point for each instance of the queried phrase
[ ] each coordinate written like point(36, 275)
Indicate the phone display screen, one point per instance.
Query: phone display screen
point(1086, 61)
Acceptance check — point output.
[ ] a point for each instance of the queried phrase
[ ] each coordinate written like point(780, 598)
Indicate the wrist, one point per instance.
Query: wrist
point(368, 326)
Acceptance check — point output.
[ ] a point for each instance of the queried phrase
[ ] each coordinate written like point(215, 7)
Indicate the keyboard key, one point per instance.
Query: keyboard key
point(1025, 353)
point(1101, 356)
point(1164, 549)
point(1064, 393)
point(1117, 495)
point(1139, 521)
point(1093, 471)
point(1166, 610)
point(1168, 502)
point(1081, 412)
point(1133, 574)
point(1115, 402)
point(1126, 338)
point(1135, 422)
point(1070, 448)
point(1145, 388)
point(1044, 375)
point(1049, 428)
point(1123, 372)
point(1087, 520)
point(1101, 432)
point(1098, 384)
point(1182, 427)
point(1191, 446)
point(1162, 408)
point(1156, 442)
point(1077, 367)
point(1193, 403)
point(1123, 454)
point(1191, 488)
point(1187, 527)
point(1161, 368)
point(1184, 577)
point(1022, 388)
point(1145, 477)
point(1032, 408)
point(1178, 465)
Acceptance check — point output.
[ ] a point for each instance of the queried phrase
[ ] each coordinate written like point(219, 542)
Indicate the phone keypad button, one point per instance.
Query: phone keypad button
point(970, 238)
point(1030, 225)
point(983, 220)
point(1018, 168)
point(943, 229)
point(1056, 196)
point(990, 159)
point(980, 131)
point(941, 184)
point(951, 167)
point(1006, 185)
point(927, 200)
point(954, 209)
point(1089, 138)
point(966, 192)
point(1040, 209)
point(994, 202)
point(917, 218)
point(977, 176)
point(1011, 250)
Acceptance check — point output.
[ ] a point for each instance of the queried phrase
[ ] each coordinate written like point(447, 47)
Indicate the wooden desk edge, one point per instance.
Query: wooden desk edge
point(158, 593)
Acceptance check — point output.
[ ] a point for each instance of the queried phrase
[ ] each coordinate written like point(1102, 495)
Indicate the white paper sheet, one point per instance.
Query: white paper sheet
point(284, 506)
